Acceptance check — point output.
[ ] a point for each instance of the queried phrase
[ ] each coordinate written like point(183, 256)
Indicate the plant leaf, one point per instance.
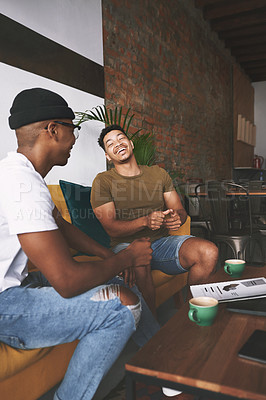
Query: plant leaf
point(135, 134)
point(120, 116)
point(102, 112)
point(111, 117)
point(115, 116)
point(125, 121)
point(144, 149)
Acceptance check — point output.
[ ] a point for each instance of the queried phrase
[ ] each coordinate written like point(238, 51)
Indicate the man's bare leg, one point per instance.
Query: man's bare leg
point(145, 285)
point(199, 257)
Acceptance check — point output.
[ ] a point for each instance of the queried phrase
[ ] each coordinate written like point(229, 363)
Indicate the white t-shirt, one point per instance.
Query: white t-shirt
point(25, 206)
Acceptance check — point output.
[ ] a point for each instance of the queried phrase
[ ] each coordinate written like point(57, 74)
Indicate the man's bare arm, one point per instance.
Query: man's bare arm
point(117, 228)
point(106, 214)
point(49, 252)
point(177, 215)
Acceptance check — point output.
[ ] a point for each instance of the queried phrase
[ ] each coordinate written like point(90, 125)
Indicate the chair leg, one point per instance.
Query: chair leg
point(252, 247)
point(240, 249)
point(238, 246)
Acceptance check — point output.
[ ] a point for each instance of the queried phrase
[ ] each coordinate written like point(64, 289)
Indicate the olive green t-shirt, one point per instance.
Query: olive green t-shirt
point(133, 197)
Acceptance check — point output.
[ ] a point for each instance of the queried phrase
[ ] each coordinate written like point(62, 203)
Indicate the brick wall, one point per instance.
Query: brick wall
point(162, 60)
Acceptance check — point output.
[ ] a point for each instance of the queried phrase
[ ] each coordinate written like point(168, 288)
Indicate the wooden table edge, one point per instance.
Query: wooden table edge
point(209, 387)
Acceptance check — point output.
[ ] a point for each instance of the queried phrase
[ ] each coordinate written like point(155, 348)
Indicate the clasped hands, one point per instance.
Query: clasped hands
point(169, 218)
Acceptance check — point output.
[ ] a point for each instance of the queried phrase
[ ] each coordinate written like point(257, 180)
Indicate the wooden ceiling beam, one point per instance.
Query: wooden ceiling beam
point(254, 64)
point(223, 9)
point(243, 32)
point(239, 21)
point(251, 57)
point(241, 24)
point(246, 41)
point(253, 49)
point(203, 3)
point(255, 71)
point(258, 77)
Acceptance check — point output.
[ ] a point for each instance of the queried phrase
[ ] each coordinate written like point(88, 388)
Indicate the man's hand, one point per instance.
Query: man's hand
point(172, 220)
point(140, 251)
point(129, 276)
point(155, 220)
point(169, 218)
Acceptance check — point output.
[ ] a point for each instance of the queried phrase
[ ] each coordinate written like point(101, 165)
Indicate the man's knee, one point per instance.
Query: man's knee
point(127, 298)
point(109, 292)
point(209, 251)
point(200, 250)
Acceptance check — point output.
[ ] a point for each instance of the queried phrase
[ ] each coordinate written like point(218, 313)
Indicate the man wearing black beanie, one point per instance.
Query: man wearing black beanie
point(63, 301)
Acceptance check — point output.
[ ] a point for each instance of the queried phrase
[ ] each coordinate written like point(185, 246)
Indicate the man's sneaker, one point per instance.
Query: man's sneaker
point(170, 392)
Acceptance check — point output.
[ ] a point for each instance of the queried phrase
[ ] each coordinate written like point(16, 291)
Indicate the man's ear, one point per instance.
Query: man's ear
point(51, 129)
point(132, 144)
point(108, 157)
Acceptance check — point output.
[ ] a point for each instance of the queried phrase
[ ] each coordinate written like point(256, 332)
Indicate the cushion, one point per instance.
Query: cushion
point(59, 201)
point(77, 199)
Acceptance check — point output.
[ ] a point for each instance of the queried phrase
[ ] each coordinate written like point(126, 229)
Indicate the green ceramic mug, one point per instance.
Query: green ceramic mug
point(203, 310)
point(234, 267)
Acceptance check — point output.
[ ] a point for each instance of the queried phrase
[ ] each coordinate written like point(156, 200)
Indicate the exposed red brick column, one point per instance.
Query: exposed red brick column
point(162, 60)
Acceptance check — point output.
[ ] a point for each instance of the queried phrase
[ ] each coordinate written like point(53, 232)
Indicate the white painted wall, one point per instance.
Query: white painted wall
point(260, 118)
point(78, 26)
point(87, 158)
point(75, 24)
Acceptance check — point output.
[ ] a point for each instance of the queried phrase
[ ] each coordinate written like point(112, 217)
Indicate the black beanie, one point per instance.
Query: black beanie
point(37, 104)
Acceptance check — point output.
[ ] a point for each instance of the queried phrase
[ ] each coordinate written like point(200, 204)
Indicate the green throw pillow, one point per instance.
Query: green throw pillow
point(77, 199)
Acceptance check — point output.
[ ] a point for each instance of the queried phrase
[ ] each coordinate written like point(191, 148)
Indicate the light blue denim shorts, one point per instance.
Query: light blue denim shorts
point(165, 253)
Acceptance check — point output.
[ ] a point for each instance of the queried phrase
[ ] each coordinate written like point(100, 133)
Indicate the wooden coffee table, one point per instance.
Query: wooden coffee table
point(203, 360)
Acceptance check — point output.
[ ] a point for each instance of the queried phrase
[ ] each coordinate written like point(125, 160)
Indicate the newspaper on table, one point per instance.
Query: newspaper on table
point(241, 289)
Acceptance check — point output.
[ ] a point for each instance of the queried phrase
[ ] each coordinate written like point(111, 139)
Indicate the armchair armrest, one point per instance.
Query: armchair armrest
point(184, 229)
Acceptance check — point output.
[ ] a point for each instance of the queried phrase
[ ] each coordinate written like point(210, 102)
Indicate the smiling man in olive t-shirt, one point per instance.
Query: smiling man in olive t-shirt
point(134, 201)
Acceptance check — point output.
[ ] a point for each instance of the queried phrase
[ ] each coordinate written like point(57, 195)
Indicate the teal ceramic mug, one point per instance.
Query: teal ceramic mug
point(203, 310)
point(234, 267)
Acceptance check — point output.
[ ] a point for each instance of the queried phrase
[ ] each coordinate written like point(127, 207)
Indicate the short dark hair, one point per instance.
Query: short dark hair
point(107, 130)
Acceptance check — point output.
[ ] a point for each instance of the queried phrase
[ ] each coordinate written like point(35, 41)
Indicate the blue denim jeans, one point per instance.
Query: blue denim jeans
point(148, 325)
point(36, 316)
point(165, 253)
